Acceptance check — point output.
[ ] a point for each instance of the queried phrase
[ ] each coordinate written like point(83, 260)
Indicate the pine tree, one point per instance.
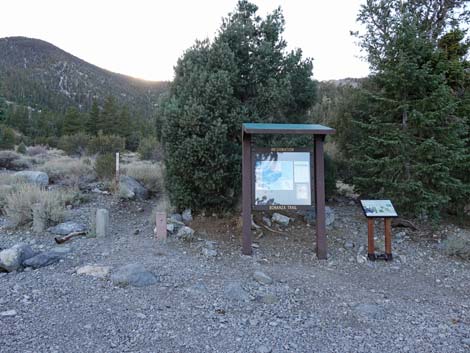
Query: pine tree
point(93, 118)
point(107, 121)
point(72, 122)
point(410, 140)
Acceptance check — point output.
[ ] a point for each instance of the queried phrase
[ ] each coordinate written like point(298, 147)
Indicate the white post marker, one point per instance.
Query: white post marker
point(117, 168)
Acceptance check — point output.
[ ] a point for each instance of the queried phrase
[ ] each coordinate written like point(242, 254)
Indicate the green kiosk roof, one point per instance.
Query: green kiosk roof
point(310, 129)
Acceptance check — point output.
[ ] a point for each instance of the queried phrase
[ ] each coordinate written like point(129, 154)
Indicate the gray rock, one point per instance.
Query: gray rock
point(176, 217)
point(280, 219)
point(234, 291)
point(8, 313)
point(262, 277)
point(209, 252)
point(94, 271)
point(466, 341)
point(187, 216)
point(129, 188)
point(371, 311)
point(263, 349)
point(61, 250)
point(67, 228)
point(12, 259)
point(170, 228)
point(329, 216)
point(348, 244)
point(34, 177)
point(198, 289)
point(43, 259)
point(267, 298)
point(267, 221)
point(308, 215)
point(185, 233)
point(133, 275)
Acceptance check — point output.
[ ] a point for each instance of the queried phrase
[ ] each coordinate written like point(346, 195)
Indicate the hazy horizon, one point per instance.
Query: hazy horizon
point(144, 39)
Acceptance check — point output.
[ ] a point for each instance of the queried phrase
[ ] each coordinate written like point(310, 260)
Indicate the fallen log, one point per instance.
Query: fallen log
point(60, 240)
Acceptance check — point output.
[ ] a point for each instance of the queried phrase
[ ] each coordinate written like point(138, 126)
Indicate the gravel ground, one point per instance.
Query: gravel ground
point(420, 302)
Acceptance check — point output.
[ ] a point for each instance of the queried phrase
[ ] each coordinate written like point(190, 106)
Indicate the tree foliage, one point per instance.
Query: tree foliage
point(244, 74)
point(408, 128)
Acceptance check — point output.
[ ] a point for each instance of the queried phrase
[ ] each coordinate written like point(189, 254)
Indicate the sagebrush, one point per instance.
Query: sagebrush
point(20, 202)
point(149, 175)
point(67, 170)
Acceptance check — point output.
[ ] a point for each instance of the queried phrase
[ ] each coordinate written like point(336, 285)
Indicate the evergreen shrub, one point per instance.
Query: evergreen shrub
point(21, 148)
point(105, 144)
point(74, 145)
point(105, 166)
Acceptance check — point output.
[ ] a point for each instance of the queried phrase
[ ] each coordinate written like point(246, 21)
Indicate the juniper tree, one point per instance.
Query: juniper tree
point(411, 138)
point(244, 74)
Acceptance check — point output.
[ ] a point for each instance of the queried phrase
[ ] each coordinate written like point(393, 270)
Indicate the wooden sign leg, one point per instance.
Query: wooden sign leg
point(370, 239)
point(319, 176)
point(388, 239)
point(246, 194)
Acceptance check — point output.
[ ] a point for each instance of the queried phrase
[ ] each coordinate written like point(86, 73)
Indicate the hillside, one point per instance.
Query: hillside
point(38, 74)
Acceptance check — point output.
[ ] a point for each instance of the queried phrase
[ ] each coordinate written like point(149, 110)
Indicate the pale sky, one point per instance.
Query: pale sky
point(144, 38)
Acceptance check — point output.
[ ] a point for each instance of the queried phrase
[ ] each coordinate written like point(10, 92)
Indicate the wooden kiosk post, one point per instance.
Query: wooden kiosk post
point(318, 132)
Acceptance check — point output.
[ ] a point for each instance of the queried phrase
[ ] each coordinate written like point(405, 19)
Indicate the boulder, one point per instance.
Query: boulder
point(67, 228)
point(12, 259)
point(134, 275)
point(43, 259)
point(176, 217)
point(187, 216)
point(33, 177)
point(129, 188)
point(280, 219)
point(185, 233)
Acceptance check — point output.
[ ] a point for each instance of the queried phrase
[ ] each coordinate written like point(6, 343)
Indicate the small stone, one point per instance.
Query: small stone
point(67, 227)
point(187, 216)
point(262, 278)
point(136, 232)
point(8, 313)
point(135, 275)
point(349, 244)
point(234, 291)
point(263, 349)
point(61, 250)
point(170, 228)
point(371, 311)
point(360, 259)
point(141, 316)
point(198, 289)
point(466, 341)
point(209, 252)
point(267, 221)
point(267, 298)
point(176, 217)
point(280, 219)
point(94, 271)
point(329, 216)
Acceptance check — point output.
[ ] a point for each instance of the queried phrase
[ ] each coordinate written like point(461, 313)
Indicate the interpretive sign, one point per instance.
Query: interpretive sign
point(378, 208)
point(282, 178)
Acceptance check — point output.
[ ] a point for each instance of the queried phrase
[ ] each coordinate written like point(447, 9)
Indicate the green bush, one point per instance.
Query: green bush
point(7, 138)
point(74, 145)
point(13, 161)
point(105, 144)
point(330, 176)
point(105, 166)
point(149, 149)
point(21, 148)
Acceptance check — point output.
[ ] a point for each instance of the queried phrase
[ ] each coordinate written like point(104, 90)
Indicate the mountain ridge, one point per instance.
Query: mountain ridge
point(36, 73)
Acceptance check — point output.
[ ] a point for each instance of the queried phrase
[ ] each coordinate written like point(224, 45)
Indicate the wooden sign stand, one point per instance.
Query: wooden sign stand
point(387, 256)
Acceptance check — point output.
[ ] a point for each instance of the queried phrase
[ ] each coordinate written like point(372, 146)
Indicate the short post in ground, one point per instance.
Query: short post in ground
point(102, 223)
point(160, 225)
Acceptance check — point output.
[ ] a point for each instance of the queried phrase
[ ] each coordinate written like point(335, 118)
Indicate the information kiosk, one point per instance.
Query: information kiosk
point(284, 178)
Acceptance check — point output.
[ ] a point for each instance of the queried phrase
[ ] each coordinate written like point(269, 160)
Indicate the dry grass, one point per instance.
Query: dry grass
point(148, 174)
point(19, 204)
point(37, 150)
point(67, 170)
